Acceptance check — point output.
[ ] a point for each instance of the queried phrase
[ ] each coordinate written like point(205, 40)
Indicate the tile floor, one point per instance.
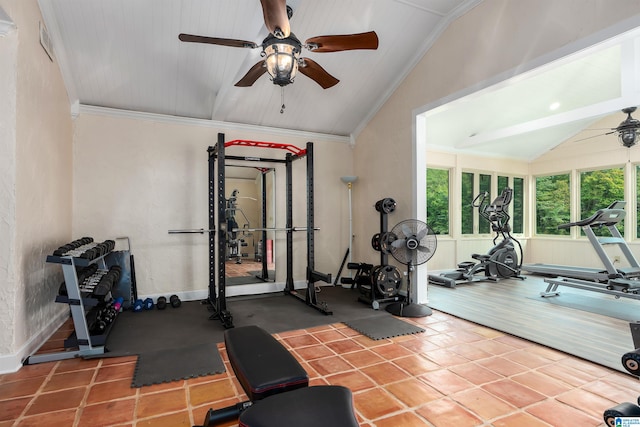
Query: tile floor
point(245, 268)
point(456, 373)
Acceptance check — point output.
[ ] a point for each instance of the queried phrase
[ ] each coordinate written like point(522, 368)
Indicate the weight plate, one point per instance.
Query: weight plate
point(387, 280)
point(375, 242)
point(385, 241)
point(386, 205)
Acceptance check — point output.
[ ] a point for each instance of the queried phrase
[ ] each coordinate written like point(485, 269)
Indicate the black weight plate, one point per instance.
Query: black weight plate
point(385, 241)
point(388, 205)
point(375, 242)
point(387, 280)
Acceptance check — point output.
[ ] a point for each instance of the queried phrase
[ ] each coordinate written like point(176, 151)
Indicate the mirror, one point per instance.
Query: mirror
point(249, 249)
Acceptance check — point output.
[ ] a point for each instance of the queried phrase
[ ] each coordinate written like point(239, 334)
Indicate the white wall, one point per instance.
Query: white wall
point(8, 87)
point(141, 176)
point(40, 161)
point(494, 38)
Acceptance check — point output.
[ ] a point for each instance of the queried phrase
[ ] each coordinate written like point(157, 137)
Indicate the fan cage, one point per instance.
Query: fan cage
point(413, 242)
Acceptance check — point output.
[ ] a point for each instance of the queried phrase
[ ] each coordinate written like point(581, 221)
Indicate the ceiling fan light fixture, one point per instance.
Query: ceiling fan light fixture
point(629, 129)
point(281, 58)
point(628, 137)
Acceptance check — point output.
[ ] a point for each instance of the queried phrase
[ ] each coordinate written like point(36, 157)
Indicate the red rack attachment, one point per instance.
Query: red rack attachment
point(246, 143)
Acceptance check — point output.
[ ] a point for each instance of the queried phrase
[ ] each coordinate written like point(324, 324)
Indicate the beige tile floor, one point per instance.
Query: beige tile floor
point(456, 373)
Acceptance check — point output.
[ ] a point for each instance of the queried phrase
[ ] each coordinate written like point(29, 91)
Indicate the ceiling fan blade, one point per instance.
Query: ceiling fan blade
point(252, 75)
point(595, 136)
point(276, 18)
point(398, 243)
point(316, 73)
point(215, 40)
point(339, 43)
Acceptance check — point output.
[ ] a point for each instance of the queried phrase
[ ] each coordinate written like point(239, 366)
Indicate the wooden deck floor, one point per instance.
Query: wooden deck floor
point(586, 324)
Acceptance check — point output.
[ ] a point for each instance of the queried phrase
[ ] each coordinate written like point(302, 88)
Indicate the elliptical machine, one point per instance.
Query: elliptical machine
point(502, 261)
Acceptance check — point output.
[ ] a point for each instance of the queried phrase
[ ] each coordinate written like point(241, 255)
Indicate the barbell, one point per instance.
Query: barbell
point(237, 230)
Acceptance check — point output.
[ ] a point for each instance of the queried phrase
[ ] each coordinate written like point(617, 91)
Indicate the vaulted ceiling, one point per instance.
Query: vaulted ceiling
point(126, 55)
point(526, 116)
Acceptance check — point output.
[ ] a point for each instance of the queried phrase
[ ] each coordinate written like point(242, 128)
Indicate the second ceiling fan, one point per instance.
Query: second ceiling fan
point(281, 48)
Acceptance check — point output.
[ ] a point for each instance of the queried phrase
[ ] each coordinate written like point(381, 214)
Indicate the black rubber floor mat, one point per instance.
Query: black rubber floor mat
point(381, 327)
point(160, 366)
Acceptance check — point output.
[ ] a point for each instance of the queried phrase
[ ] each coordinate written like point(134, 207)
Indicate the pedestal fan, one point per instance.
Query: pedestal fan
point(414, 243)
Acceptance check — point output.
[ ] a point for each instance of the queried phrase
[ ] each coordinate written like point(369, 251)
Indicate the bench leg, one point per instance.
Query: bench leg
point(222, 415)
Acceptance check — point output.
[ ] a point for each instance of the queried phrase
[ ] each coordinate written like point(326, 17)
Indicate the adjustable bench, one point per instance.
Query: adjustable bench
point(278, 387)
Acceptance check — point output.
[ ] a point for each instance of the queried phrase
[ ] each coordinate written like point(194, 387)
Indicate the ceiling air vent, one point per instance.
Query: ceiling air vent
point(45, 41)
point(6, 24)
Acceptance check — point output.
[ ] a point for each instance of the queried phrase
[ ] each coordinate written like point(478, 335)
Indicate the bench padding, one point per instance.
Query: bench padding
point(319, 406)
point(262, 365)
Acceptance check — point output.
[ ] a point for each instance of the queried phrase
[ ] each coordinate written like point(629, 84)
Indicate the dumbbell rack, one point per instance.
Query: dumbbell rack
point(79, 302)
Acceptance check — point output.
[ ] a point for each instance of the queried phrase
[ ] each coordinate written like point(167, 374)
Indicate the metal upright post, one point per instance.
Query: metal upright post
point(290, 286)
point(220, 304)
point(212, 225)
point(311, 297)
point(263, 249)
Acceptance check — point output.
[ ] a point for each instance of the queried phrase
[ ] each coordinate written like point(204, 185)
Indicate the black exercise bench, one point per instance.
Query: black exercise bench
point(278, 387)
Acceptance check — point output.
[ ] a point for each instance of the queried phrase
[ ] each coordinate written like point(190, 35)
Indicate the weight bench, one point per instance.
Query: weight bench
point(278, 387)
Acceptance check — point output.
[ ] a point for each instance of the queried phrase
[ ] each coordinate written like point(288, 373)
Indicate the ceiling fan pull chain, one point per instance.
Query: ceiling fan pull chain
point(282, 99)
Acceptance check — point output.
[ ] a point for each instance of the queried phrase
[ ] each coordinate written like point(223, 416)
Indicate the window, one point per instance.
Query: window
point(517, 203)
point(438, 200)
point(466, 203)
point(598, 189)
point(485, 185)
point(518, 206)
point(553, 204)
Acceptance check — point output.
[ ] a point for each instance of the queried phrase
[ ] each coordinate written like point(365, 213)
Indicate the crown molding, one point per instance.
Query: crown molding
point(228, 126)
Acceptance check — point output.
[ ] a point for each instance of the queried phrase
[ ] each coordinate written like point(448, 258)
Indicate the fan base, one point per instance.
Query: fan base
point(408, 310)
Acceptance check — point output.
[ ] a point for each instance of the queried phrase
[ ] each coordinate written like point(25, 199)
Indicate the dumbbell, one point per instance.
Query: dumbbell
point(175, 301)
point(95, 323)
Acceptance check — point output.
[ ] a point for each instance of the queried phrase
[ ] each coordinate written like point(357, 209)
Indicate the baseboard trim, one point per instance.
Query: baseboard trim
point(10, 363)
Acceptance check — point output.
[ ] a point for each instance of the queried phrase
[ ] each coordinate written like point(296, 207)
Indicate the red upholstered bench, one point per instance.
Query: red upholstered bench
point(277, 387)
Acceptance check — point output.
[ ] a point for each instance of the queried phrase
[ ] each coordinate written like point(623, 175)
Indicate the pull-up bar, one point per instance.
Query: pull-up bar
point(279, 145)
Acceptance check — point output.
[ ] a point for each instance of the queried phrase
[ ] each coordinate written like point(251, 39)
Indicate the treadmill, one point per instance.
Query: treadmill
point(622, 279)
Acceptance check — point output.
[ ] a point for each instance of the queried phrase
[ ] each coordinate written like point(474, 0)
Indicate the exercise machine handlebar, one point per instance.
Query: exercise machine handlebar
point(612, 215)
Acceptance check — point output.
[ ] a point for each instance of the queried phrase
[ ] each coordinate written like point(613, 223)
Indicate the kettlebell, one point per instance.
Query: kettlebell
point(175, 301)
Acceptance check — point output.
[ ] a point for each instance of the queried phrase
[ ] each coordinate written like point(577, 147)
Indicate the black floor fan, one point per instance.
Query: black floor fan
point(414, 244)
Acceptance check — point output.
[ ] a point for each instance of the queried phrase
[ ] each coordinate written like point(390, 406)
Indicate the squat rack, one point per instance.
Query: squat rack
point(217, 204)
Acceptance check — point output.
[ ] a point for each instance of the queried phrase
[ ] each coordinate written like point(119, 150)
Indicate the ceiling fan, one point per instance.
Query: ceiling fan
point(281, 48)
point(628, 130)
